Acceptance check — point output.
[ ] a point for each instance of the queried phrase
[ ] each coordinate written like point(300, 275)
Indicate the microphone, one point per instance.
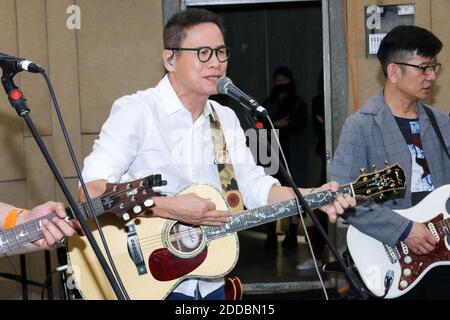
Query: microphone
point(14, 65)
point(224, 85)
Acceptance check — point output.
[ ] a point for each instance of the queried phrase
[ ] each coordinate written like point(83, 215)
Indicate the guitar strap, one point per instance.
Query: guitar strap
point(224, 166)
point(436, 129)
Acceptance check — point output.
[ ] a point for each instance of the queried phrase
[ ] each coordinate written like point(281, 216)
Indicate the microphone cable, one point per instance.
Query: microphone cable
point(251, 116)
point(83, 185)
point(322, 284)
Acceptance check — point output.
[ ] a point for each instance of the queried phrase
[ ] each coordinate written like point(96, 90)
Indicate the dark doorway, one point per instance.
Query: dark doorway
point(263, 37)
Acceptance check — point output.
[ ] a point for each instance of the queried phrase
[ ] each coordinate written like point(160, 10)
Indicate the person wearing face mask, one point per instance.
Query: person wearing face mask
point(289, 115)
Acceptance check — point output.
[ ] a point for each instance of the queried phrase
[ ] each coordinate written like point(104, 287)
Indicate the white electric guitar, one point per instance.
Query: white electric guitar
point(390, 272)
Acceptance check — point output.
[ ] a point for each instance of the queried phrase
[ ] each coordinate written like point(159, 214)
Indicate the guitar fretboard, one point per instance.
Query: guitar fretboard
point(31, 231)
point(262, 215)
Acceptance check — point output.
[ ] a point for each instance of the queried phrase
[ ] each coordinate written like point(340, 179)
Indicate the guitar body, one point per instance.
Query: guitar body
point(375, 261)
point(152, 255)
point(233, 288)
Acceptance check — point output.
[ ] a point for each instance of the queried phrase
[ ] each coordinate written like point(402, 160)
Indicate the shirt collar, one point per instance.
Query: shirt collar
point(171, 102)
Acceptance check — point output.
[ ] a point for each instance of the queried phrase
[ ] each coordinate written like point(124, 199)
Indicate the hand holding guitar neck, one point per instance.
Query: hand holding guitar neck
point(121, 199)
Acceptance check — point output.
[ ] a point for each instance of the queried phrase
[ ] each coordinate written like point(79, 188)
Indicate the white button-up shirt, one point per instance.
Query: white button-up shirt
point(151, 132)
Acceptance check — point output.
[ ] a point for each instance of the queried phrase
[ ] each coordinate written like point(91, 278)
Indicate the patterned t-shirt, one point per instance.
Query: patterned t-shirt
point(421, 182)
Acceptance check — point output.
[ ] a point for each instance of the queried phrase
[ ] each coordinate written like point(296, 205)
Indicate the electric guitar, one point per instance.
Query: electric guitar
point(390, 272)
point(153, 255)
point(119, 198)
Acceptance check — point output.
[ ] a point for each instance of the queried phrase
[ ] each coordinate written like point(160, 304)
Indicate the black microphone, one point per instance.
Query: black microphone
point(224, 85)
point(14, 65)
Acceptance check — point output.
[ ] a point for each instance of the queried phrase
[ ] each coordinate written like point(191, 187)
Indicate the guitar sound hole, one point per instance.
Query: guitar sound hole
point(185, 238)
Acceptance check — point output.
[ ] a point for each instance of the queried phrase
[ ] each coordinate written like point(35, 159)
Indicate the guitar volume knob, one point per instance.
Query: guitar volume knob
point(407, 259)
point(407, 272)
point(403, 284)
point(137, 209)
point(126, 216)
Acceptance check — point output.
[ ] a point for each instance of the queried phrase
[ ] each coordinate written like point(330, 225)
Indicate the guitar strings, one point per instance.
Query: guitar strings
point(139, 188)
point(154, 239)
point(150, 240)
point(112, 193)
point(35, 222)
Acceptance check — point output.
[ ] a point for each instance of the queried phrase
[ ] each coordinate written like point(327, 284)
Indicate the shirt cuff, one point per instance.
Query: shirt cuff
point(265, 185)
point(405, 233)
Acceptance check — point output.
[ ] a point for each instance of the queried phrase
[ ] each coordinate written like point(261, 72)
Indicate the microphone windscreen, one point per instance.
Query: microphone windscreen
point(222, 83)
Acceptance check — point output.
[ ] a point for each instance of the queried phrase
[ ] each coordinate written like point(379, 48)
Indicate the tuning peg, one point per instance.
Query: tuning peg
point(374, 167)
point(362, 170)
point(126, 216)
point(386, 163)
point(148, 203)
point(137, 209)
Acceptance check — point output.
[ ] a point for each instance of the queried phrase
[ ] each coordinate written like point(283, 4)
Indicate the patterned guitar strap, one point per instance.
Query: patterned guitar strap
point(224, 165)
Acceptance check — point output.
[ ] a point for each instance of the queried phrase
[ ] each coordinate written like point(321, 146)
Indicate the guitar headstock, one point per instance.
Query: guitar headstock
point(132, 197)
point(376, 185)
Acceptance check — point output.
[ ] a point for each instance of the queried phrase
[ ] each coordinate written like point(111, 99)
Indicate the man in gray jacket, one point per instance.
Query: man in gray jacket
point(393, 126)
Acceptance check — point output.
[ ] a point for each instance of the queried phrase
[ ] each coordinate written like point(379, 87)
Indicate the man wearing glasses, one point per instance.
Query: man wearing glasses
point(167, 130)
point(394, 126)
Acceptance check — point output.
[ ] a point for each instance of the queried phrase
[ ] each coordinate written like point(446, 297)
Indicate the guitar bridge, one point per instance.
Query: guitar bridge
point(134, 249)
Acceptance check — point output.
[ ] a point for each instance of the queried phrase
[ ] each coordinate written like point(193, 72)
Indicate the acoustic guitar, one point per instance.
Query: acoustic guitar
point(153, 255)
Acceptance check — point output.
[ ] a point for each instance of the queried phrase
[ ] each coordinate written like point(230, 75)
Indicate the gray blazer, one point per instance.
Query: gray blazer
point(371, 136)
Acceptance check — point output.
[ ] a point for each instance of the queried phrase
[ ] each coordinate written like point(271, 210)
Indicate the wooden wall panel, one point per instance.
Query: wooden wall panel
point(87, 143)
point(32, 40)
point(12, 155)
point(119, 52)
point(15, 192)
point(366, 72)
point(40, 186)
point(72, 185)
point(440, 25)
point(63, 67)
point(116, 52)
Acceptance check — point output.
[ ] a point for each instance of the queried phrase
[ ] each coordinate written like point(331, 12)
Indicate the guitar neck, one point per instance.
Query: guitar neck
point(31, 231)
point(262, 215)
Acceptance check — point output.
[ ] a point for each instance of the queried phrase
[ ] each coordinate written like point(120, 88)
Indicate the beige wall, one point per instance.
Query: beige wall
point(365, 76)
point(116, 51)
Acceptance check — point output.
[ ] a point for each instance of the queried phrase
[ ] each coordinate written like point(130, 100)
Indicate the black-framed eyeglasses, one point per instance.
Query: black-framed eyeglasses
point(426, 69)
point(204, 54)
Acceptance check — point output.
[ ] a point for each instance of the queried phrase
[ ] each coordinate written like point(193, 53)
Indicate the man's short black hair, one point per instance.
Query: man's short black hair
point(402, 42)
point(175, 28)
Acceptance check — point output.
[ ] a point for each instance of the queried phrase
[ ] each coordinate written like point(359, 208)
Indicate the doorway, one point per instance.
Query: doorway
point(278, 34)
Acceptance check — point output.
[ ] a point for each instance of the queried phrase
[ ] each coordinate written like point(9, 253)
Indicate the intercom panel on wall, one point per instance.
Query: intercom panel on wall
point(380, 19)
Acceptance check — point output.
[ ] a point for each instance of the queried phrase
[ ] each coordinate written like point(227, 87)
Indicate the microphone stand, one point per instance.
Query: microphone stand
point(18, 102)
point(252, 115)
